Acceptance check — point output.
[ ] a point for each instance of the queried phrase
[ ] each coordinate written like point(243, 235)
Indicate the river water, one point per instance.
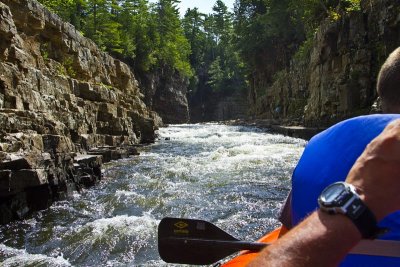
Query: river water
point(233, 176)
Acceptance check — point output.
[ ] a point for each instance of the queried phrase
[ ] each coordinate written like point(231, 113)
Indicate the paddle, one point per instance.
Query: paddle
point(197, 242)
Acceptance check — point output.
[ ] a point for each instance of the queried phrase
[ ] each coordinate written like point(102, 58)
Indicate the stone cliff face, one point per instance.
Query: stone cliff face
point(165, 92)
point(60, 96)
point(218, 107)
point(337, 79)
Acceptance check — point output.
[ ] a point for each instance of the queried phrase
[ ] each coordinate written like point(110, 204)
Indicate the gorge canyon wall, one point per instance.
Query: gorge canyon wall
point(165, 92)
point(336, 79)
point(65, 107)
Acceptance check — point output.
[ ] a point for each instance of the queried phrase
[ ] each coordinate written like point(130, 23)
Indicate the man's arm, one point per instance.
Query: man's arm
point(320, 240)
point(323, 239)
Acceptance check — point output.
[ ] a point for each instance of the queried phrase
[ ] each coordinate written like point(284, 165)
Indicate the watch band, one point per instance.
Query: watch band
point(364, 219)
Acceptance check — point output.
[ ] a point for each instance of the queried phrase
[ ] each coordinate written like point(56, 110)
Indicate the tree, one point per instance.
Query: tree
point(193, 25)
point(222, 20)
point(267, 35)
point(102, 25)
point(140, 36)
point(216, 74)
point(174, 48)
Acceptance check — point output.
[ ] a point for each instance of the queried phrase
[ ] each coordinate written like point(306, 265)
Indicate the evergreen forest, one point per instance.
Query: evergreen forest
point(219, 53)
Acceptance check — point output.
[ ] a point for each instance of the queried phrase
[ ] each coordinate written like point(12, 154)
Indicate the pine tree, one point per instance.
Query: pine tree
point(174, 48)
point(102, 25)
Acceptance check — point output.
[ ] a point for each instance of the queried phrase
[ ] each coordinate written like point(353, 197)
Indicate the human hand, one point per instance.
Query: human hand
point(376, 173)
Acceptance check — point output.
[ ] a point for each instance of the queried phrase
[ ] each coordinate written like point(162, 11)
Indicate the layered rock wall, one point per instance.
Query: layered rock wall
point(336, 80)
point(60, 97)
point(165, 92)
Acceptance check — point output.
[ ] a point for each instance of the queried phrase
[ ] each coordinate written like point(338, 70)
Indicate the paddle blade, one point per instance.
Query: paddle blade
point(191, 241)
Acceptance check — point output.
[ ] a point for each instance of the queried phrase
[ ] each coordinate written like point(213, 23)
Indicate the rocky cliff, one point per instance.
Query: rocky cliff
point(220, 107)
point(337, 78)
point(65, 107)
point(165, 92)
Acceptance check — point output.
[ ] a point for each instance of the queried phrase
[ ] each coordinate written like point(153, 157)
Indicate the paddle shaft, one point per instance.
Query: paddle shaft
point(228, 244)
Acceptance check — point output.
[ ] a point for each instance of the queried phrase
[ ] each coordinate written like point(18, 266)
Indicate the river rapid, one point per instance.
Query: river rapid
point(236, 177)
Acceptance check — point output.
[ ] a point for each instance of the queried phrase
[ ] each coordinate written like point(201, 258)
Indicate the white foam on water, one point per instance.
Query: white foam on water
point(20, 257)
point(140, 226)
point(124, 193)
point(122, 236)
point(233, 143)
point(234, 176)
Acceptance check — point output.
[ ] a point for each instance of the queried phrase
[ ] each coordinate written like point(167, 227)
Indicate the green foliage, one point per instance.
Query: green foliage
point(44, 50)
point(217, 65)
point(267, 32)
point(216, 75)
point(304, 50)
point(62, 8)
point(148, 35)
point(311, 12)
point(193, 25)
point(334, 15)
point(140, 34)
point(352, 5)
point(270, 32)
point(174, 48)
point(102, 25)
point(220, 53)
point(66, 68)
point(344, 7)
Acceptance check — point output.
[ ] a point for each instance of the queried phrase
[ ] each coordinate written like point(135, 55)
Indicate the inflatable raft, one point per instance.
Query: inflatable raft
point(246, 256)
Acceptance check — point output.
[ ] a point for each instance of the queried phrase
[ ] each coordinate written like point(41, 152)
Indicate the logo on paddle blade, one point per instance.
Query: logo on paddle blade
point(181, 225)
point(181, 228)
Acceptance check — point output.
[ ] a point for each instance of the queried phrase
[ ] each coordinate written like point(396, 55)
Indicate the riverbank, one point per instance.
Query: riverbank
point(284, 128)
point(32, 181)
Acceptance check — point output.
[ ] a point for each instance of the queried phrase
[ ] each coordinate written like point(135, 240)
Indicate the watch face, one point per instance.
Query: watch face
point(332, 193)
point(342, 198)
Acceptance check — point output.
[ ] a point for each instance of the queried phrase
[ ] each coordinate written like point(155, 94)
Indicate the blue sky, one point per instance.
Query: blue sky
point(204, 6)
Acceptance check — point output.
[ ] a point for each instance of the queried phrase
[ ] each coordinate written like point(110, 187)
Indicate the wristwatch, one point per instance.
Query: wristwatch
point(342, 198)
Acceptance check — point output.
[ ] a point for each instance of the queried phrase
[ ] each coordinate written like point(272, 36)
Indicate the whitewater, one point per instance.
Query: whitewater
point(233, 176)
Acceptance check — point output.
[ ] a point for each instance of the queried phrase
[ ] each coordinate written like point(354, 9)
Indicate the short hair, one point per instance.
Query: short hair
point(388, 84)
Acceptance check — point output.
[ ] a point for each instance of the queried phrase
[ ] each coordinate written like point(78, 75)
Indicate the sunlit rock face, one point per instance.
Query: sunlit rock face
point(60, 97)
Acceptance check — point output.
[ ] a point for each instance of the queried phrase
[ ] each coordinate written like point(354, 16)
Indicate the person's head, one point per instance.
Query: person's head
point(388, 84)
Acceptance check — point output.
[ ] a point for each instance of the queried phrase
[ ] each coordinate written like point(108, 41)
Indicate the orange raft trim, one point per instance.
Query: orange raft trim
point(246, 256)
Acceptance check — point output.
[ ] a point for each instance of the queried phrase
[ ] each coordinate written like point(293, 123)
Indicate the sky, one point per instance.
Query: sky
point(204, 6)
